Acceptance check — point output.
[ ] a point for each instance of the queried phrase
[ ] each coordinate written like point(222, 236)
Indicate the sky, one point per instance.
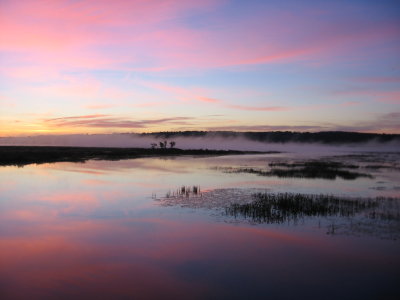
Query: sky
point(103, 66)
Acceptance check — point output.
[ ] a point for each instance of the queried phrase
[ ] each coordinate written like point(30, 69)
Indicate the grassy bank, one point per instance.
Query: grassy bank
point(24, 155)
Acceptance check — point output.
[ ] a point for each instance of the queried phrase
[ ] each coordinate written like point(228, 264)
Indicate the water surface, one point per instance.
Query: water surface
point(107, 230)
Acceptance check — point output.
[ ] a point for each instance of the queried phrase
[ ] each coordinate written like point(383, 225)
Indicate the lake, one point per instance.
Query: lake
point(179, 228)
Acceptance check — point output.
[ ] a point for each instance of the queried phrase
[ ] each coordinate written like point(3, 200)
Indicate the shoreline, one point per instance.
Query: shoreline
point(26, 155)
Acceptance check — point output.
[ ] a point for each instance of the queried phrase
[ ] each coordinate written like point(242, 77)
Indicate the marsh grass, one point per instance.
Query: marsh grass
point(315, 172)
point(286, 207)
point(379, 217)
point(315, 164)
point(185, 191)
point(378, 167)
point(309, 169)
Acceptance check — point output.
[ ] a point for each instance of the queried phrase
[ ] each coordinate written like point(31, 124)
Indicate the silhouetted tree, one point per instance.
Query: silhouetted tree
point(153, 145)
point(172, 144)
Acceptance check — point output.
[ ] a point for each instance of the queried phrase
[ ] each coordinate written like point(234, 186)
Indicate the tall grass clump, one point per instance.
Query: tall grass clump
point(184, 191)
point(284, 207)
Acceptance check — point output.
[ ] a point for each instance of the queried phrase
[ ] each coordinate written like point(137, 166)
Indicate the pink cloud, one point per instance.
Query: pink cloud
point(383, 79)
point(30, 73)
point(187, 94)
point(150, 104)
point(50, 48)
point(350, 103)
point(107, 121)
point(100, 106)
point(257, 108)
point(6, 101)
point(375, 94)
point(389, 96)
point(279, 57)
point(183, 94)
point(78, 117)
point(244, 45)
point(206, 99)
point(130, 35)
point(44, 33)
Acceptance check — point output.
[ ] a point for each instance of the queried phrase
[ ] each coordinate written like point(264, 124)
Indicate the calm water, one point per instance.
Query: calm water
point(106, 230)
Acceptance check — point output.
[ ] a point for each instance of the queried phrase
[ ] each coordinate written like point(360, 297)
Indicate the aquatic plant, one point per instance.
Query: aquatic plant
point(378, 216)
point(309, 169)
point(315, 164)
point(184, 191)
point(316, 172)
point(284, 207)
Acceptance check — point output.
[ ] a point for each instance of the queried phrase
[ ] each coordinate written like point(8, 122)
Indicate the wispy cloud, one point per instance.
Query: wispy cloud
point(171, 57)
point(192, 94)
point(100, 106)
point(180, 93)
point(152, 46)
point(390, 96)
point(6, 101)
point(377, 80)
point(107, 121)
point(77, 117)
point(207, 99)
point(257, 108)
point(350, 103)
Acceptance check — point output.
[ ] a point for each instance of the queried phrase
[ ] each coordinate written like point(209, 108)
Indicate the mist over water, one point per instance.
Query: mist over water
point(211, 141)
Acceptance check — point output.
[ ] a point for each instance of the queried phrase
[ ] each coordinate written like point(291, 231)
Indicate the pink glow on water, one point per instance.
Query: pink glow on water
point(97, 227)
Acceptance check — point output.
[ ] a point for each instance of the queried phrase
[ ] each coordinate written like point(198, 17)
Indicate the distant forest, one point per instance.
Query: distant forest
point(325, 137)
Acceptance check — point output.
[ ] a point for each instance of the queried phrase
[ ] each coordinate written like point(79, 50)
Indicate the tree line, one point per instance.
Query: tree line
point(163, 145)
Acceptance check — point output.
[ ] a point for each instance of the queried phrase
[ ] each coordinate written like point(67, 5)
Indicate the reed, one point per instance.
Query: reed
point(184, 191)
point(285, 207)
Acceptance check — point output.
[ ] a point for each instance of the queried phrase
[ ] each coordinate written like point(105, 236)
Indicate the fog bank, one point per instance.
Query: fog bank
point(204, 142)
